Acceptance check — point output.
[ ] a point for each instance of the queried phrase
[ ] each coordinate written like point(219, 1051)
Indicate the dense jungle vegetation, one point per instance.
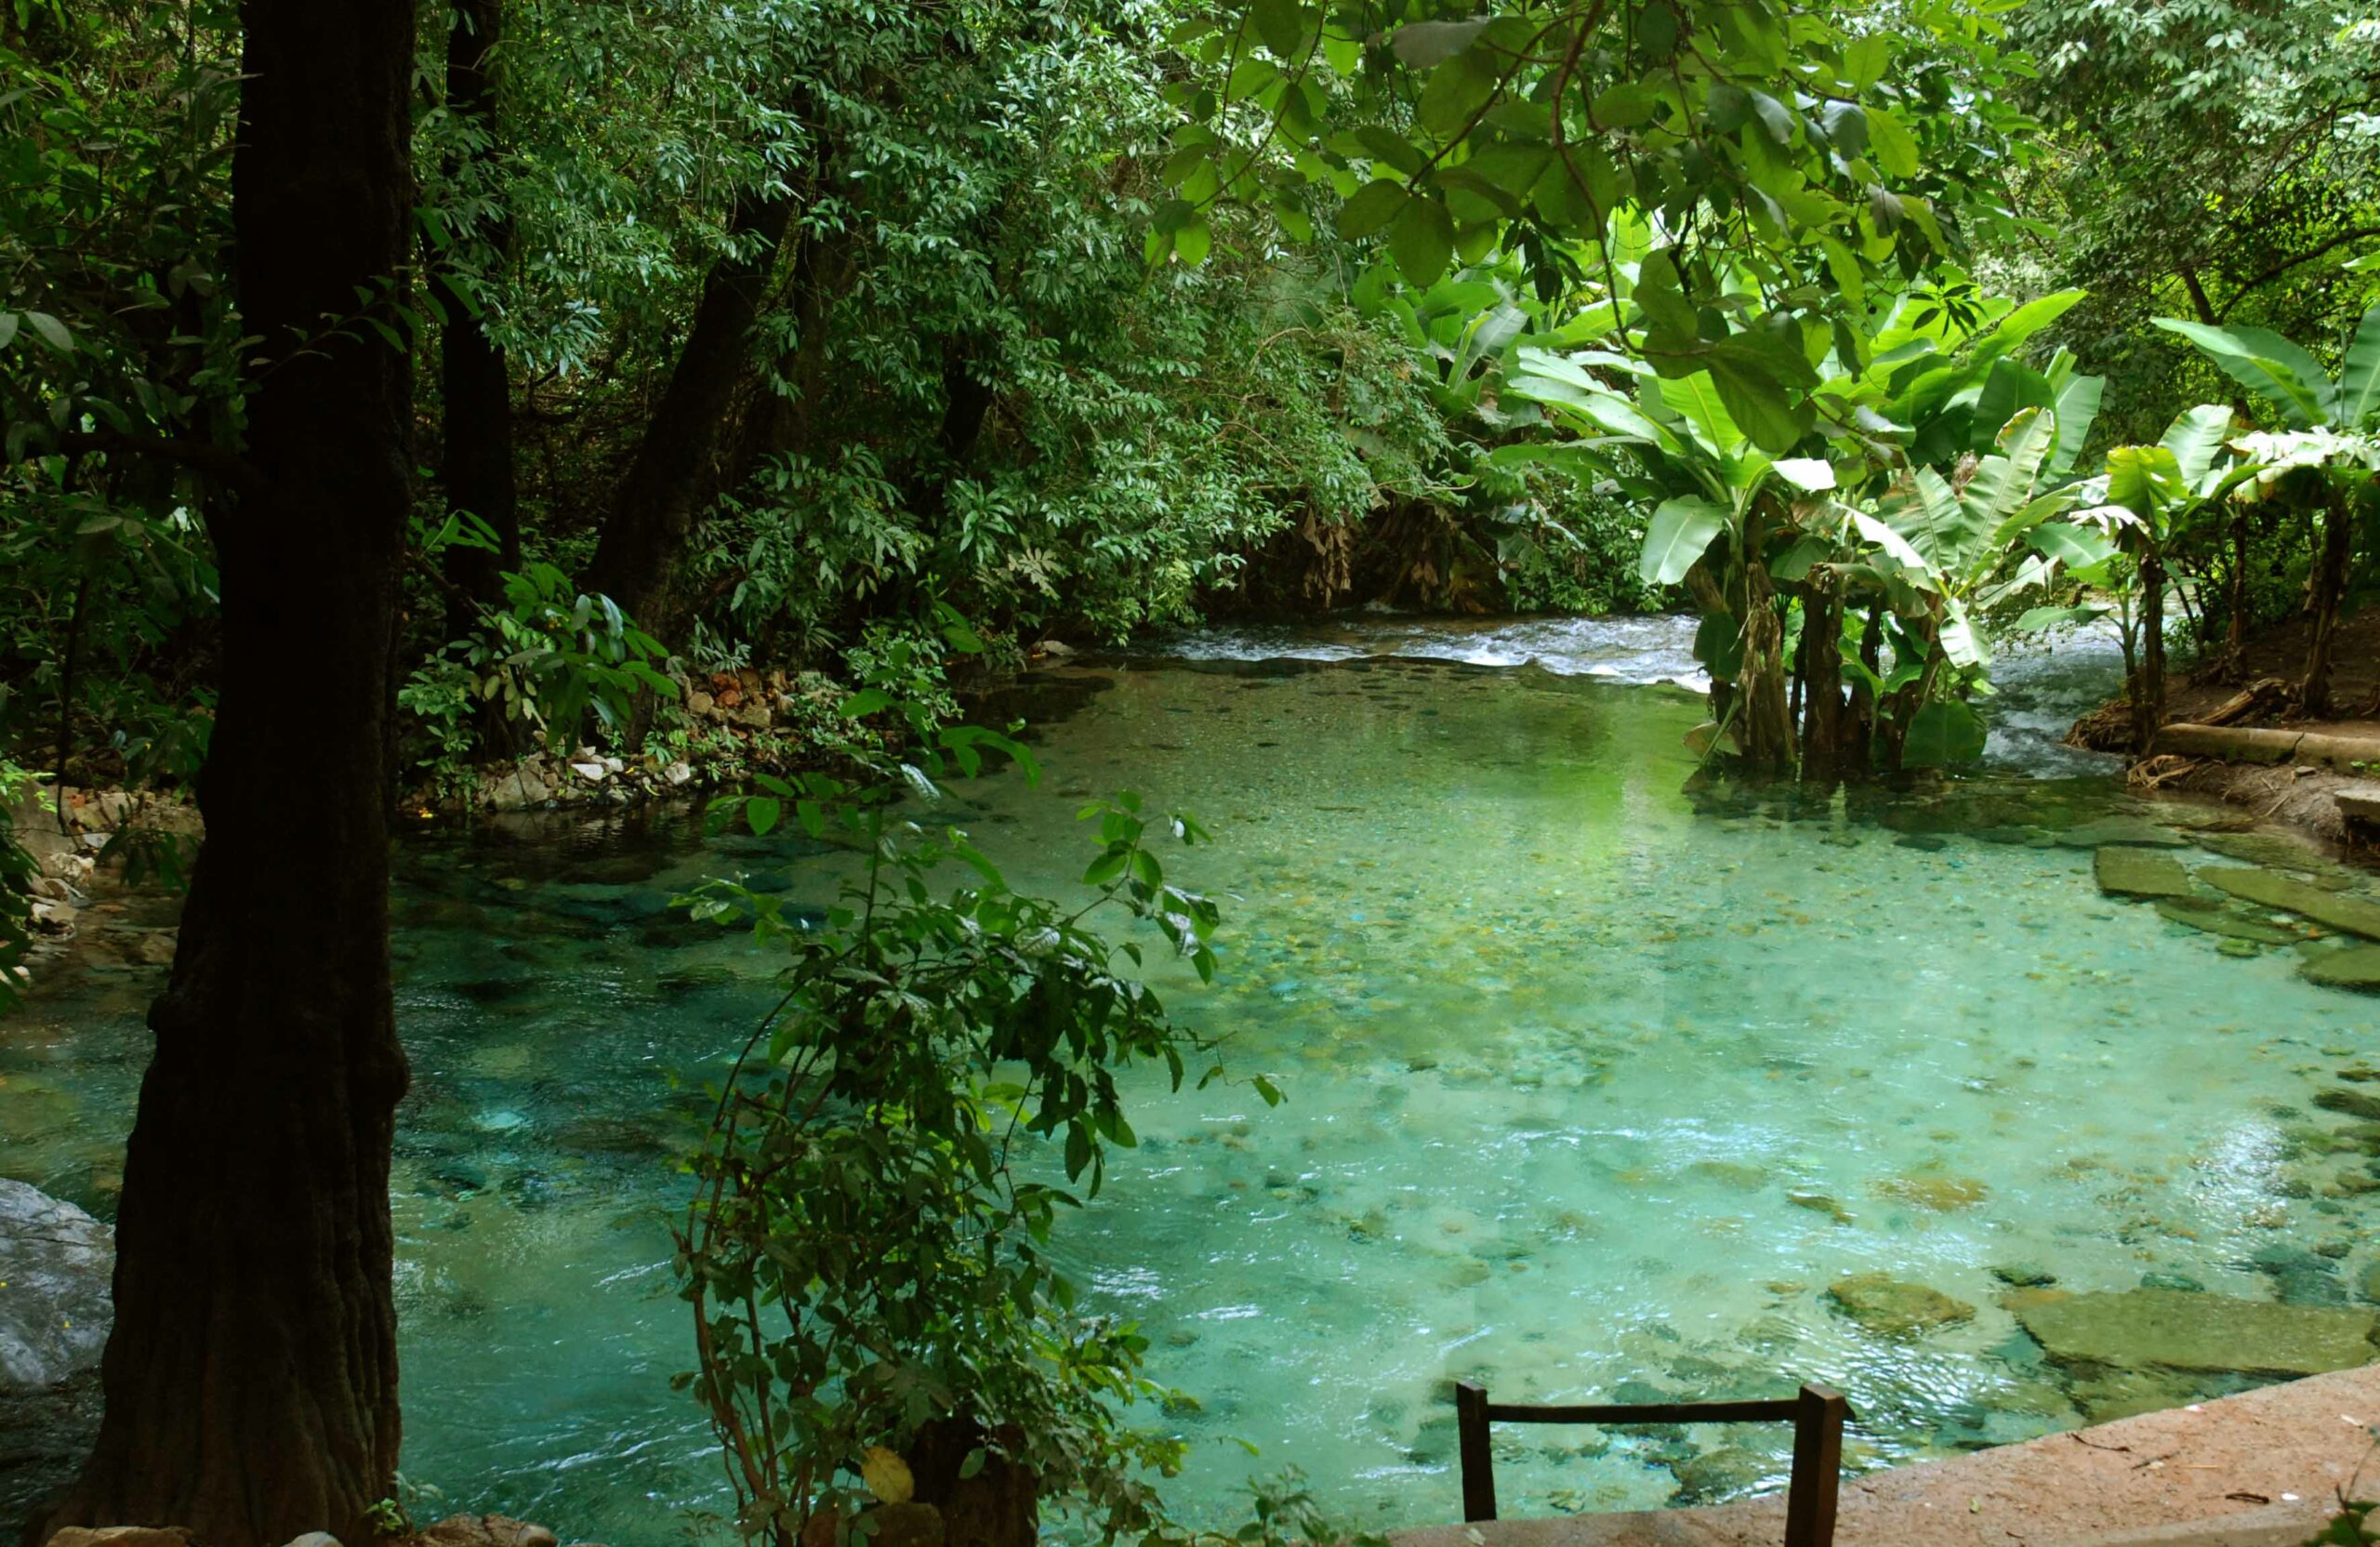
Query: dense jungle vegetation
point(389, 393)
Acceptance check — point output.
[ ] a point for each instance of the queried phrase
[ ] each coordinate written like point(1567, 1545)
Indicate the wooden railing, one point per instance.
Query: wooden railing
point(1817, 1415)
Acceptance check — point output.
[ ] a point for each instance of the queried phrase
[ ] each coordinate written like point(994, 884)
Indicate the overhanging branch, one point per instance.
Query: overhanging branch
point(226, 468)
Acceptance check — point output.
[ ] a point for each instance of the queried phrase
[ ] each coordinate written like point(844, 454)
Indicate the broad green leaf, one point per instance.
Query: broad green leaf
point(51, 330)
point(1758, 401)
point(1809, 474)
point(2008, 390)
point(1607, 410)
point(2356, 401)
point(2077, 406)
point(2026, 321)
point(2195, 439)
point(1893, 544)
point(1424, 44)
point(1285, 26)
point(1896, 152)
point(1695, 399)
point(2146, 481)
point(2075, 546)
point(1456, 92)
point(1961, 644)
point(1942, 734)
point(2266, 363)
point(1660, 297)
point(1680, 531)
point(1192, 243)
point(1373, 207)
point(1421, 238)
point(2004, 484)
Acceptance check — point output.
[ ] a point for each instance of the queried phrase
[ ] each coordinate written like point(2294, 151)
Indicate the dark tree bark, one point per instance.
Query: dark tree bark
point(1827, 753)
point(676, 469)
point(251, 1377)
point(2329, 588)
point(1767, 728)
point(476, 467)
point(2148, 683)
point(1865, 710)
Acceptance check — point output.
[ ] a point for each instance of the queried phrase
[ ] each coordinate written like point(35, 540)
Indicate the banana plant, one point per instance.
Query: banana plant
point(2323, 457)
point(1724, 503)
point(2147, 498)
point(1930, 551)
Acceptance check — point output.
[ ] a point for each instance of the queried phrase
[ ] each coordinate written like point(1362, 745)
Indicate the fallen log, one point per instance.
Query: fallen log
point(2258, 744)
point(2265, 695)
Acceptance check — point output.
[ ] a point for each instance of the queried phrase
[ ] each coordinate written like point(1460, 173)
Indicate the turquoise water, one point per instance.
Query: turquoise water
point(1595, 1083)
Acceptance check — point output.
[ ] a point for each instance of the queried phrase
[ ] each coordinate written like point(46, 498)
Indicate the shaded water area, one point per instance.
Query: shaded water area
point(1596, 1082)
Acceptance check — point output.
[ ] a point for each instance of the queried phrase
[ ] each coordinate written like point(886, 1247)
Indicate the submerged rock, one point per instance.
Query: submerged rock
point(1880, 1302)
point(2024, 1276)
point(2356, 967)
point(2213, 917)
point(483, 1530)
point(2126, 831)
point(2353, 1103)
point(2130, 872)
point(1943, 1194)
point(2274, 850)
point(2332, 909)
point(2134, 1328)
point(2300, 1277)
point(1820, 1203)
point(1727, 1473)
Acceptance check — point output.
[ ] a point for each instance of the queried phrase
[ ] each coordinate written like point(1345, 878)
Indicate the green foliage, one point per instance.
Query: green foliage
point(1793, 158)
point(868, 1249)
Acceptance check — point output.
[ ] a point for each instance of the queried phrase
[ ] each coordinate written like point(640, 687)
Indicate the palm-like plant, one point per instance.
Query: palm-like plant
point(2324, 456)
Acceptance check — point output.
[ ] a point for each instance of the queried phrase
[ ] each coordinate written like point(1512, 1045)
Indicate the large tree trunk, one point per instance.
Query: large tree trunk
point(2330, 587)
point(476, 468)
point(251, 1377)
point(675, 470)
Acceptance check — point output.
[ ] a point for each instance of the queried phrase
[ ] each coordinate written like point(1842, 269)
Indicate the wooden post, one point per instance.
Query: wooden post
point(1478, 1461)
point(1818, 1468)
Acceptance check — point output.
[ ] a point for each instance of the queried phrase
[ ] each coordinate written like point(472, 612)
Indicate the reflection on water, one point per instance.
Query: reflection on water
point(1594, 1086)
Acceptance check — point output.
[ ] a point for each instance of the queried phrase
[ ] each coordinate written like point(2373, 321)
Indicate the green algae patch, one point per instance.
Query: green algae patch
point(2335, 910)
point(2123, 870)
point(2176, 1329)
point(2213, 917)
point(2356, 967)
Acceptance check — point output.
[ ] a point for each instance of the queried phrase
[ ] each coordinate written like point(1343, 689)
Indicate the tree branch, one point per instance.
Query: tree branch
point(226, 468)
point(2355, 233)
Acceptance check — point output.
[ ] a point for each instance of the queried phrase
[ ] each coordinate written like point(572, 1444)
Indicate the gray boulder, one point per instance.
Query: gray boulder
point(56, 1262)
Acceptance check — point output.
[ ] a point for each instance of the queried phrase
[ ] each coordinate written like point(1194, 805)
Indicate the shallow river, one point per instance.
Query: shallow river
point(1594, 1084)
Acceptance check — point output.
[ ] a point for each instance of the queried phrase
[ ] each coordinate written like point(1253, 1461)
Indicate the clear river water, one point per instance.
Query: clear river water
point(1597, 1078)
